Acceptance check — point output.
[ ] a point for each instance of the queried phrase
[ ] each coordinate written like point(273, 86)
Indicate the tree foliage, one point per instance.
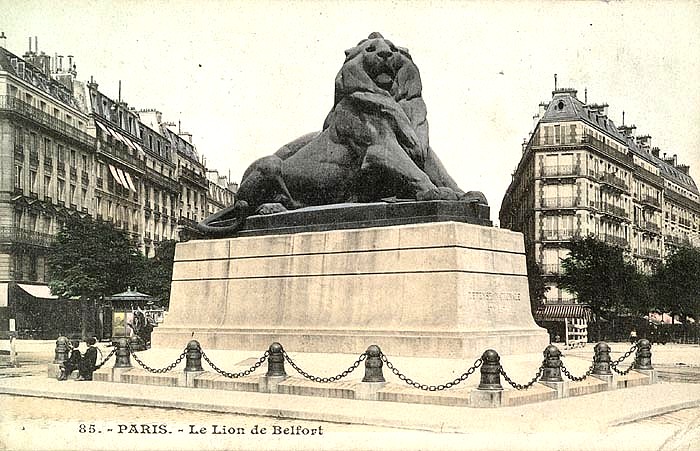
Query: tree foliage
point(91, 259)
point(155, 274)
point(677, 284)
point(600, 276)
point(536, 283)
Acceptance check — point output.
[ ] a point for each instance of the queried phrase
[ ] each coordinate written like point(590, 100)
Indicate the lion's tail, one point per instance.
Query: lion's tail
point(225, 222)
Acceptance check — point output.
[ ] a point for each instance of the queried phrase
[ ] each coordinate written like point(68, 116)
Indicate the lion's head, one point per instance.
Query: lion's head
point(377, 65)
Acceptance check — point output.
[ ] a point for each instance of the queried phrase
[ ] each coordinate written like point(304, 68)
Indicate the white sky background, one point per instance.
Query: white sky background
point(247, 77)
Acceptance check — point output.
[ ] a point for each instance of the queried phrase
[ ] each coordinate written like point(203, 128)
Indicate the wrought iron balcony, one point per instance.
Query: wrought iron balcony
point(614, 240)
point(551, 269)
point(16, 106)
point(84, 177)
point(614, 210)
point(15, 235)
point(613, 180)
point(559, 171)
point(558, 234)
point(19, 151)
point(559, 202)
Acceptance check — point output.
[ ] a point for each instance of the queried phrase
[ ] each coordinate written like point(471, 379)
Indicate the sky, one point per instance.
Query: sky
point(246, 77)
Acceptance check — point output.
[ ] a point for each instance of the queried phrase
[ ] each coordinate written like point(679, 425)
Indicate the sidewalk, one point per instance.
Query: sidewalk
point(595, 421)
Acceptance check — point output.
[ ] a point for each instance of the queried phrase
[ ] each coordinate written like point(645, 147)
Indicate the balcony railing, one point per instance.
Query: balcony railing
point(563, 170)
point(646, 199)
point(84, 177)
point(558, 234)
point(613, 180)
point(652, 226)
point(551, 269)
point(48, 163)
point(648, 252)
point(559, 202)
point(15, 235)
point(17, 106)
point(614, 210)
point(98, 182)
point(614, 240)
point(61, 171)
point(193, 177)
point(73, 173)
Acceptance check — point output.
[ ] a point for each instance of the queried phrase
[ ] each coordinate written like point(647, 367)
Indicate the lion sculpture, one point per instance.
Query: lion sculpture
point(373, 146)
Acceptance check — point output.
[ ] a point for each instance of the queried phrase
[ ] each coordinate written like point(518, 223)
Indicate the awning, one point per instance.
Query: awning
point(122, 178)
point(559, 312)
point(3, 294)
point(129, 181)
point(115, 174)
point(38, 291)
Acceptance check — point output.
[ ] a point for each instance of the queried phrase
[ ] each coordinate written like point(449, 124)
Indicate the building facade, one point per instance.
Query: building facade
point(581, 175)
point(67, 149)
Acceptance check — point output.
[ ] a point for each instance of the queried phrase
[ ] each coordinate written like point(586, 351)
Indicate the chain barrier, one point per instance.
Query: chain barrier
point(463, 377)
point(109, 356)
point(615, 363)
point(577, 378)
point(157, 370)
point(324, 380)
point(247, 372)
point(517, 386)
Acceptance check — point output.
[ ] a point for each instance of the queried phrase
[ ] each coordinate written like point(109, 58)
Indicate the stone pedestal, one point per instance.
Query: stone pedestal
point(441, 289)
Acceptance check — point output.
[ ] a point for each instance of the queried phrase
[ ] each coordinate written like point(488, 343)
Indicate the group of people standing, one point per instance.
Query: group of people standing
point(85, 363)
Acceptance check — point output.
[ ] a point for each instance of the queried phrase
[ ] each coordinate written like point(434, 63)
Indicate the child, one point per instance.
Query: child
point(70, 365)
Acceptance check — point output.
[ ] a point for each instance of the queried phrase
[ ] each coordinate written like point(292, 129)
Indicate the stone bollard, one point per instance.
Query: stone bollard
point(123, 357)
point(61, 350)
point(601, 366)
point(193, 356)
point(275, 361)
point(373, 365)
point(642, 360)
point(551, 371)
point(490, 371)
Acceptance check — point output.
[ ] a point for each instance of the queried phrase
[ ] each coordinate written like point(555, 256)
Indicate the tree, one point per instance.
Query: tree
point(677, 284)
point(90, 259)
point(155, 274)
point(600, 276)
point(536, 285)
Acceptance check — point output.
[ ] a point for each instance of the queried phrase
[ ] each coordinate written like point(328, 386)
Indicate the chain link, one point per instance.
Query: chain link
point(463, 377)
point(622, 372)
point(247, 372)
point(158, 370)
point(577, 378)
point(324, 380)
point(109, 356)
point(624, 356)
point(517, 386)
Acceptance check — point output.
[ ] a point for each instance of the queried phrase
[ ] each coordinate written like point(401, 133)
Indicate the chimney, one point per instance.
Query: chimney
point(36, 44)
point(684, 168)
point(585, 96)
point(675, 160)
point(60, 64)
point(655, 151)
point(3, 40)
point(555, 82)
point(30, 45)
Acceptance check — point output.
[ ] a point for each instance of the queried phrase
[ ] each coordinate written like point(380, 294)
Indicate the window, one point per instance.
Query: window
point(85, 162)
point(32, 181)
point(61, 189)
point(47, 186)
point(72, 158)
point(18, 176)
point(72, 195)
point(20, 69)
point(47, 147)
point(34, 141)
point(84, 198)
point(61, 154)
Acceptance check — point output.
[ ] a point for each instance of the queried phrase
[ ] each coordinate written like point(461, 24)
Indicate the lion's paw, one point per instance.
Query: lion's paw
point(438, 193)
point(270, 208)
point(474, 197)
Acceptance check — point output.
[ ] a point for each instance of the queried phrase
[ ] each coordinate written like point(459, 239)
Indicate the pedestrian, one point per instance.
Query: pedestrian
point(88, 361)
point(72, 363)
point(633, 336)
